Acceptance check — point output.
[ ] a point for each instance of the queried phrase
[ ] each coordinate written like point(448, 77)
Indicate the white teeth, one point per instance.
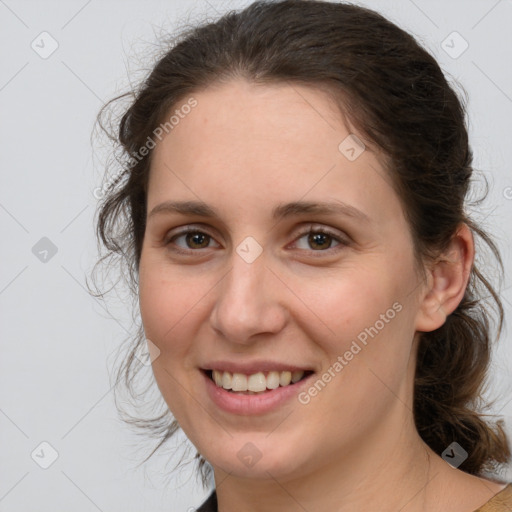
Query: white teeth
point(226, 379)
point(273, 380)
point(239, 382)
point(296, 376)
point(217, 377)
point(285, 378)
point(256, 382)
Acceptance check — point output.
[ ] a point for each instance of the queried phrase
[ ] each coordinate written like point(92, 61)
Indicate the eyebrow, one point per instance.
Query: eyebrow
point(279, 212)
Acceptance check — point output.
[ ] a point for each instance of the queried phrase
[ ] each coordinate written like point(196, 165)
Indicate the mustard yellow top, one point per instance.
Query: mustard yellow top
point(501, 502)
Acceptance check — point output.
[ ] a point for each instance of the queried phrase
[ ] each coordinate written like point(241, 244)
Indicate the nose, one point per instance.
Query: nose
point(249, 302)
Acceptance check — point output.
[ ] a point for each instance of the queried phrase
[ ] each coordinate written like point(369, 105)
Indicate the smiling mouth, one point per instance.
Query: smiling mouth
point(256, 383)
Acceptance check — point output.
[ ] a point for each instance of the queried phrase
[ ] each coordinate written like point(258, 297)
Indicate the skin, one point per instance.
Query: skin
point(244, 149)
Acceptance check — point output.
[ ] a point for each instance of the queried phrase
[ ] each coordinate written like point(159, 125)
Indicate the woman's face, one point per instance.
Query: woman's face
point(251, 292)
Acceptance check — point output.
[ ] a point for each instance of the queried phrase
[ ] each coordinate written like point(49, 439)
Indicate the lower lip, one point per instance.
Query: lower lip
point(252, 404)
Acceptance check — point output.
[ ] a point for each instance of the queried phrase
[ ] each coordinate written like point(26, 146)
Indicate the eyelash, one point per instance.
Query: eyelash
point(341, 242)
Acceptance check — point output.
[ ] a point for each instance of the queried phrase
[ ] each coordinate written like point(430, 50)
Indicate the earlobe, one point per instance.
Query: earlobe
point(447, 280)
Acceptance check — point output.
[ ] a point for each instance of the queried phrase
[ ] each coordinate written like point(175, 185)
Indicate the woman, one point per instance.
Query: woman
point(294, 222)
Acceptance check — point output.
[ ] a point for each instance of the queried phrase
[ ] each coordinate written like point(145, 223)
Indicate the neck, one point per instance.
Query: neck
point(388, 470)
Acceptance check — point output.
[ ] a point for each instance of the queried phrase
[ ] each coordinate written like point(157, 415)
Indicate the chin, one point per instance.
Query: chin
point(257, 457)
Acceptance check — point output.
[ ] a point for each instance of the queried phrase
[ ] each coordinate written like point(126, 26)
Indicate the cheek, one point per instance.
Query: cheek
point(157, 314)
point(367, 357)
point(165, 306)
point(365, 316)
point(350, 301)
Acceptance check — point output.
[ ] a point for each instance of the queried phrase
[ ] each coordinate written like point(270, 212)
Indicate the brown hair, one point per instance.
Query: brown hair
point(394, 92)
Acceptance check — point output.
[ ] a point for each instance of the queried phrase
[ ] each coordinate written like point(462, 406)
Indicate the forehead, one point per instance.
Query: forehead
point(242, 115)
point(261, 145)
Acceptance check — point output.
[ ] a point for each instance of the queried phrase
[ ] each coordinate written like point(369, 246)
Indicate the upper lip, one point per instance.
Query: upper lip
point(252, 367)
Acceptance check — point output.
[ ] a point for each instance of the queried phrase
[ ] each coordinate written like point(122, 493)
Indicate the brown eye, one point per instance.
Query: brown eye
point(189, 240)
point(197, 240)
point(319, 240)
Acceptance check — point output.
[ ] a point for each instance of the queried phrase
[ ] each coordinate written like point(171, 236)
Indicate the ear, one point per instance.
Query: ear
point(446, 281)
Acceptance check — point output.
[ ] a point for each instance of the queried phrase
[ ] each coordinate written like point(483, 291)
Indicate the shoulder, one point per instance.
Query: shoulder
point(501, 502)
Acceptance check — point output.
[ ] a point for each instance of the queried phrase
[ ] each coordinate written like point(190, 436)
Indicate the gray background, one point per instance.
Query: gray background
point(57, 342)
